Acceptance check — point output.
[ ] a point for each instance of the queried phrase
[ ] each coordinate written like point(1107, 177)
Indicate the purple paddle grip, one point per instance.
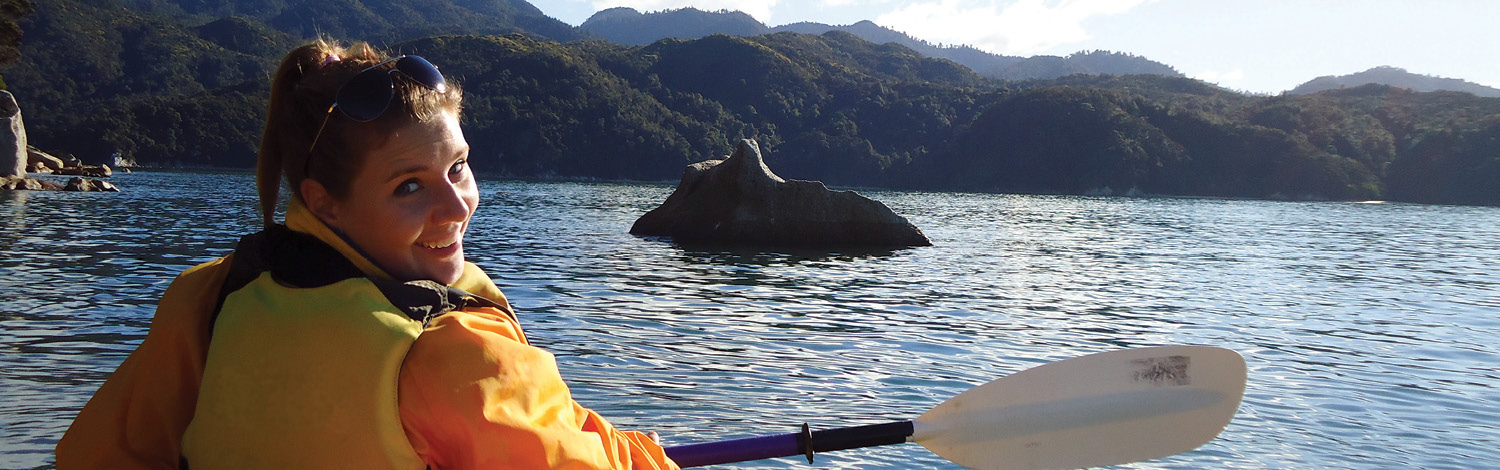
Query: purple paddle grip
point(738, 450)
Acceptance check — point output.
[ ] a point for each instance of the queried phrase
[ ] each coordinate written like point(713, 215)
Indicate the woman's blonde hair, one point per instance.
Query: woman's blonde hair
point(302, 92)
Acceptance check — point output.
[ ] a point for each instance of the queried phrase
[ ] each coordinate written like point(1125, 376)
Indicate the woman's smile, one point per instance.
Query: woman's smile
point(445, 246)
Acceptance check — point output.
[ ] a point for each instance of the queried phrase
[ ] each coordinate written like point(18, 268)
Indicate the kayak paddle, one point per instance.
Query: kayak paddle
point(1092, 411)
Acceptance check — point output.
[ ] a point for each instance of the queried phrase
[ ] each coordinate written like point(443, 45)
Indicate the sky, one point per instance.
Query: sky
point(1257, 46)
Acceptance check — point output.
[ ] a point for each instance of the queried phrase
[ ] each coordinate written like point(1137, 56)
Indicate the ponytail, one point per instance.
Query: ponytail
point(269, 159)
point(301, 91)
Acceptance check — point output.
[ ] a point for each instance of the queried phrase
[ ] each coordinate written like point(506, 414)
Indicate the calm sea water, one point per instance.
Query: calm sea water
point(1372, 331)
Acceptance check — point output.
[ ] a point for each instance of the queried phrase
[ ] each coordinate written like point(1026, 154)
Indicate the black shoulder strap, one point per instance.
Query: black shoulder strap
point(293, 258)
point(301, 260)
point(424, 301)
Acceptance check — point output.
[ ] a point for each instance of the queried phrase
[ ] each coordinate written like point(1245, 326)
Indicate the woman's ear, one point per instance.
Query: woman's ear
point(319, 201)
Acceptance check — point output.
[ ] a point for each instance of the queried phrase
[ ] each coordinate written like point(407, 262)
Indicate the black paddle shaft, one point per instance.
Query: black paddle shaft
point(859, 436)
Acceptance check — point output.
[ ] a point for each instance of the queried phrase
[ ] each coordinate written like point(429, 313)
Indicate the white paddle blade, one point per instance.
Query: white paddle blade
point(1091, 411)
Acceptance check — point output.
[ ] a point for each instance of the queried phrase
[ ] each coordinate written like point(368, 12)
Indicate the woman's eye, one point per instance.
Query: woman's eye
point(458, 167)
point(408, 187)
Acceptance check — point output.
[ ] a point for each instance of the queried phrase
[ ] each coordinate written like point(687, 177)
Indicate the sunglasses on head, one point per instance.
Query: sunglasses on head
point(368, 94)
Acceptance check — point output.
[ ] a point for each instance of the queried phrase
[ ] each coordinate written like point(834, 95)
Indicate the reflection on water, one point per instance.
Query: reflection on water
point(1370, 330)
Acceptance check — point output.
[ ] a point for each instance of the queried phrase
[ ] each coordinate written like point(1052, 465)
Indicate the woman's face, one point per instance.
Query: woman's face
point(410, 203)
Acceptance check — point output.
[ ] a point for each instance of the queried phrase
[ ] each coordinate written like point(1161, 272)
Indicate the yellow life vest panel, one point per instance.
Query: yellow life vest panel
point(303, 363)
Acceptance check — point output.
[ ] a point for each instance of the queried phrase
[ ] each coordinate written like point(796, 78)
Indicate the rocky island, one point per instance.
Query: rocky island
point(738, 200)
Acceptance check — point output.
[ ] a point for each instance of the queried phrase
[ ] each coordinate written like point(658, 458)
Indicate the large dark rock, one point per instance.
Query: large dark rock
point(738, 200)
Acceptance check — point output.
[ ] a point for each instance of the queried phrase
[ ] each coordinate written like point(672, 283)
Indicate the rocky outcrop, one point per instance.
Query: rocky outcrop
point(32, 184)
point(80, 184)
point(101, 171)
point(74, 184)
point(67, 165)
point(738, 200)
point(12, 137)
point(42, 162)
point(37, 161)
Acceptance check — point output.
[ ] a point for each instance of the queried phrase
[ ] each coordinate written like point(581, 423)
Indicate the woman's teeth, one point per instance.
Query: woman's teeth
point(436, 245)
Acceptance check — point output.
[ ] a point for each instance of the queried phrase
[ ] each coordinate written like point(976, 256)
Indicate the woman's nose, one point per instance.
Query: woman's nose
point(454, 203)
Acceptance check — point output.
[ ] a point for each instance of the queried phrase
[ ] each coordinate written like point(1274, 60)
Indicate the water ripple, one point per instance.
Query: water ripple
point(1370, 330)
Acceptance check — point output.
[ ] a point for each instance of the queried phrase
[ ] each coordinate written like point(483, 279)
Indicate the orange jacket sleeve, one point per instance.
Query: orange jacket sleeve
point(474, 395)
point(137, 417)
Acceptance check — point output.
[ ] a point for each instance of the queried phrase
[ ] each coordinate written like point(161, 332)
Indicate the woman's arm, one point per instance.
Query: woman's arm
point(137, 417)
point(474, 395)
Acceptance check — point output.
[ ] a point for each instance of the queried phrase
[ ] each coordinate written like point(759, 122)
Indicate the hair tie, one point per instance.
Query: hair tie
point(330, 58)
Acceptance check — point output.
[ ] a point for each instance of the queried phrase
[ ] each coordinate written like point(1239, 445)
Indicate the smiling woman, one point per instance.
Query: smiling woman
point(413, 207)
point(356, 335)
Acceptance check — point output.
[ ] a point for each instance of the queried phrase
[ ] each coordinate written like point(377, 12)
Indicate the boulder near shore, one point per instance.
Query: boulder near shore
point(17, 158)
point(738, 200)
point(73, 184)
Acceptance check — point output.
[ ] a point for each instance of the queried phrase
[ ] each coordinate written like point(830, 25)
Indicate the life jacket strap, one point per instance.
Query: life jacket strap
point(426, 300)
point(300, 260)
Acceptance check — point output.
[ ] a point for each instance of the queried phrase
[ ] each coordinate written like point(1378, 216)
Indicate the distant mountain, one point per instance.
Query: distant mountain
point(628, 26)
point(983, 63)
point(1001, 66)
point(1396, 77)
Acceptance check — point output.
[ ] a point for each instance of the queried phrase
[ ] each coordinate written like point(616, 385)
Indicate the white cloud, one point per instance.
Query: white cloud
point(760, 9)
point(1021, 27)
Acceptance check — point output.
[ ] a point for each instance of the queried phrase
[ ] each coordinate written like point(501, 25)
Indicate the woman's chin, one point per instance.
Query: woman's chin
point(446, 271)
point(444, 264)
point(449, 272)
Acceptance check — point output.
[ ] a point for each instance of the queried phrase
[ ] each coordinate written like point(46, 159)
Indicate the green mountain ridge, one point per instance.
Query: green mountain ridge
point(628, 26)
point(378, 21)
point(151, 85)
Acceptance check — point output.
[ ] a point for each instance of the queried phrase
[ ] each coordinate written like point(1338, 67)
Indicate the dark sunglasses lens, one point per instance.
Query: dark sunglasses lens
point(422, 71)
point(366, 95)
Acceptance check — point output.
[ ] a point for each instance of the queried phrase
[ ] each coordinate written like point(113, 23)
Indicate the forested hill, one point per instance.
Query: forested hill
point(378, 21)
point(154, 86)
point(1397, 77)
point(628, 26)
point(185, 81)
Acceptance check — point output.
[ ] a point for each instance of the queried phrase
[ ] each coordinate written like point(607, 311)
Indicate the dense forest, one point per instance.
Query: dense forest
point(163, 84)
point(10, 30)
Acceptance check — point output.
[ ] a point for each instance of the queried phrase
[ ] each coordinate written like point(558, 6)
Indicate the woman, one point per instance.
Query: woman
point(355, 335)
